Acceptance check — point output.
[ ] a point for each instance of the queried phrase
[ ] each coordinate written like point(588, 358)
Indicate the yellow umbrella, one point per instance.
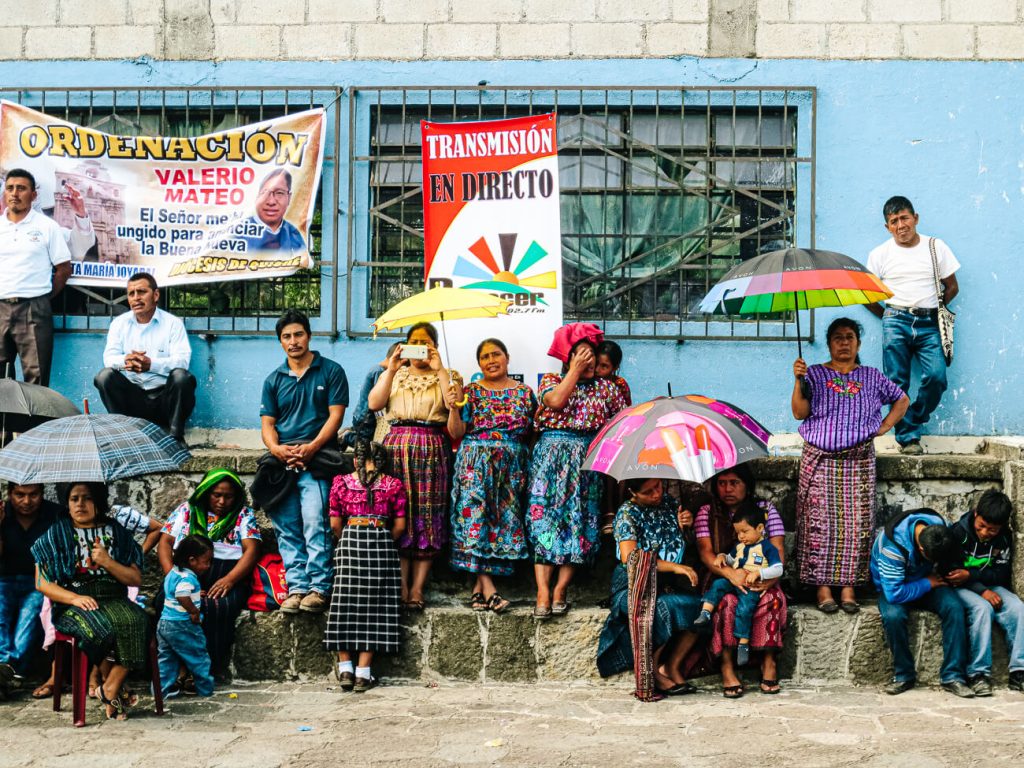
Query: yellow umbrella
point(441, 304)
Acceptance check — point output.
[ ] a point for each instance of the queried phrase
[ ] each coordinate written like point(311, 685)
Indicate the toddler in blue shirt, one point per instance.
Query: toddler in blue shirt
point(759, 559)
point(179, 634)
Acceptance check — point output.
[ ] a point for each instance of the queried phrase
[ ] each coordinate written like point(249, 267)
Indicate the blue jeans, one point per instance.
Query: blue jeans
point(906, 337)
point(745, 607)
point(20, 628)
point(182, 642)
point(980, 615)
point(303, 537)
point(944, 602)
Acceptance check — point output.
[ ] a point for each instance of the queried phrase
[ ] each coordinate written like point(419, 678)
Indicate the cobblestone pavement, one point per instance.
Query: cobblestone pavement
point(308, 724)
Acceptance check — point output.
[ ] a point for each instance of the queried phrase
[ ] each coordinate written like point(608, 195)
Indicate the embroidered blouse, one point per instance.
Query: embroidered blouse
point(590, 405)
point(230, 548)
point(418, 398)
point(349, 499)
point(654, 529)
point(498, 414)
point(846, 408)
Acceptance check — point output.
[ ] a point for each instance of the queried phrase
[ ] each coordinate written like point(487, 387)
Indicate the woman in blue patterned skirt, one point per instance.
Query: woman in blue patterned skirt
point(489, 481)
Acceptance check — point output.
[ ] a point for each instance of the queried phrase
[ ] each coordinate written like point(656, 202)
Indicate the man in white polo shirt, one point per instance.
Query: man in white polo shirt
point(910, 326)
point(35, 263)
point(146, 358)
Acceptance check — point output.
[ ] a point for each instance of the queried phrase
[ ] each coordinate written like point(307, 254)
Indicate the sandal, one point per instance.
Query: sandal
point(680, 689)
point(478, 602)
point(769, 687)
point(415, 605)
point(128, 697)
point(732, 691)
point(497, 603)
point(542, 612)
point(115, 704)
point(560, 607)
point(44, 691)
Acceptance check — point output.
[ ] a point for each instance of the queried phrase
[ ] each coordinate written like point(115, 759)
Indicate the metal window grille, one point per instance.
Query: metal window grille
point(243, 307)
point(662, 191)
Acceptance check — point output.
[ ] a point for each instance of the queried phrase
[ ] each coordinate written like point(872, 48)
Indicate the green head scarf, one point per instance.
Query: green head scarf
point(198, 522)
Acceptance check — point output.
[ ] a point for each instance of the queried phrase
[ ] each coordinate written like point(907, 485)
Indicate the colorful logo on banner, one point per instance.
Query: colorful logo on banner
point(492, 223)
point(231, 205)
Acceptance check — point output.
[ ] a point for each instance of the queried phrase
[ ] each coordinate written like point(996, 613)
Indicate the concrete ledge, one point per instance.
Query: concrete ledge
point(457, 644)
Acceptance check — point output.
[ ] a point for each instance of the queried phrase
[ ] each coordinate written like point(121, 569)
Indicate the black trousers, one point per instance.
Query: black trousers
point(168, 406)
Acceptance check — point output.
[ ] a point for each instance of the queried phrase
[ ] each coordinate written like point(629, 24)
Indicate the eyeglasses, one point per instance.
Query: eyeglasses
point(277, 194)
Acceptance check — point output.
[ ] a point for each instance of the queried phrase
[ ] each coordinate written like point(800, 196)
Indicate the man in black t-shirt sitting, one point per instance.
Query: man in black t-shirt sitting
point(24, 517)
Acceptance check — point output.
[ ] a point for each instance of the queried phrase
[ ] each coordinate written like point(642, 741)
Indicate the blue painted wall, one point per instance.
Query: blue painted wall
point(947, 135)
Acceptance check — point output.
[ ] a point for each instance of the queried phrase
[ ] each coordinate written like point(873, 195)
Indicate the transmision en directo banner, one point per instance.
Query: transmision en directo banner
point(231, 205)
point(492, 223)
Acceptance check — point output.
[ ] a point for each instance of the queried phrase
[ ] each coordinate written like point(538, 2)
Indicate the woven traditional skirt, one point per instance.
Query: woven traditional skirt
point(565, 502)
point(489, 485)
point(221, 613)
point(367, 586)
point(835, 515)
point(118, 627)
point(420, 458)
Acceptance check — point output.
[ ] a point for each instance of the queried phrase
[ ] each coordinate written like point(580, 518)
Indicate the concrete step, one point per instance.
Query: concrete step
point(448, 643)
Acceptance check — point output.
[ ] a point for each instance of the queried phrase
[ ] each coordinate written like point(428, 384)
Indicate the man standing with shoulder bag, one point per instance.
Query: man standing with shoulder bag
point(920, 271)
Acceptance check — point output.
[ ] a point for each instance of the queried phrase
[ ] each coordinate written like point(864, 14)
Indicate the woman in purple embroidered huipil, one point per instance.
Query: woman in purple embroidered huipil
point(835, 503)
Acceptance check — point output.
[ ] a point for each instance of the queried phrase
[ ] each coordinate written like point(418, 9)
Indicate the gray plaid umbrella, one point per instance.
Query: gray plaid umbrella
point(94, 447)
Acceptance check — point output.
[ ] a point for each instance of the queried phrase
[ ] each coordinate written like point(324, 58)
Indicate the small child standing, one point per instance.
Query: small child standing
point(367, 511)
point(983, 586)
point(760, 559)
point(606, 366)
point(609, 358)
point(179, 634)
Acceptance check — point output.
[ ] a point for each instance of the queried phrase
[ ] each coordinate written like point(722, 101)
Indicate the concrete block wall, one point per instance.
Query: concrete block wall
point(510, 29)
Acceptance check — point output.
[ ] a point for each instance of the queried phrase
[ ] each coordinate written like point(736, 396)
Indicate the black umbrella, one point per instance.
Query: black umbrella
point(23, 406)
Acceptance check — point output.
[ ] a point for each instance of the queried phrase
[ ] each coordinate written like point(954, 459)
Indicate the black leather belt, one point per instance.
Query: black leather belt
point(916, 311)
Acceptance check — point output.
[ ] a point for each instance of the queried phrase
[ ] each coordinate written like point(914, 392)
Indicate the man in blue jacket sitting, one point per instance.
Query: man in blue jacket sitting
point(910, 560)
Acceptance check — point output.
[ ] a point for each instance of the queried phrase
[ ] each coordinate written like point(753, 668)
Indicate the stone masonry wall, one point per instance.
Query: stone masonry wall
point(510, 29)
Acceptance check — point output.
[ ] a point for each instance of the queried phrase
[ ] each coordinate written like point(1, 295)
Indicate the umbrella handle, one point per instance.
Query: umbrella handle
point(85, 405)
point(796, 310)
point(447, 352)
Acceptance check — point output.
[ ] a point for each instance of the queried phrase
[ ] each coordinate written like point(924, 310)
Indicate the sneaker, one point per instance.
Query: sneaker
point(704, 618)
point(188, 686)
point(958, 689)
point(312, 603)
point(742, 654)
point(913, 448)
point(363, 684)
point(1017, 680)
point(896, 687)
point(292, 603)
point(174, 691)
point(980, 684)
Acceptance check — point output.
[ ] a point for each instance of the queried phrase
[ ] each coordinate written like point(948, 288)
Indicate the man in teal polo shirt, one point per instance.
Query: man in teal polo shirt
point(303, 403)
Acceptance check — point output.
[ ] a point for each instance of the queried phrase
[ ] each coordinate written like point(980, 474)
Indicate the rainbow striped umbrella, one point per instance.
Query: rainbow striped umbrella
point(794, 279)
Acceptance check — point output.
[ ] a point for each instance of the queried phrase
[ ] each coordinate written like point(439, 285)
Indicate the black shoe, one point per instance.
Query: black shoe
point(742, 654)
point(702, 619)
point(980, 684)
point(363, 684)
point(347, 680)
point(958, 689)
point(1017, 680)
point(896, 687)
point(174, 691)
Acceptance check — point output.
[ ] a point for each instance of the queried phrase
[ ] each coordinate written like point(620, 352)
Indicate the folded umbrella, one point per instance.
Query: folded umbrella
point(90, 448)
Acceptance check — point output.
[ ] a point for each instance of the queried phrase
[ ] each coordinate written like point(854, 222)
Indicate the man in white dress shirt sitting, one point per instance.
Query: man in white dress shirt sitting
point(146, 359)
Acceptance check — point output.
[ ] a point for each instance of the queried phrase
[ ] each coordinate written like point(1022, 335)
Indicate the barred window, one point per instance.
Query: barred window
point(662, 191)
point(226, 307)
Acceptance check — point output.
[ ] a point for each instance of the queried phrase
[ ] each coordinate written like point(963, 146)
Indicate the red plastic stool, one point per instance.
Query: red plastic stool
point(64, 644)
